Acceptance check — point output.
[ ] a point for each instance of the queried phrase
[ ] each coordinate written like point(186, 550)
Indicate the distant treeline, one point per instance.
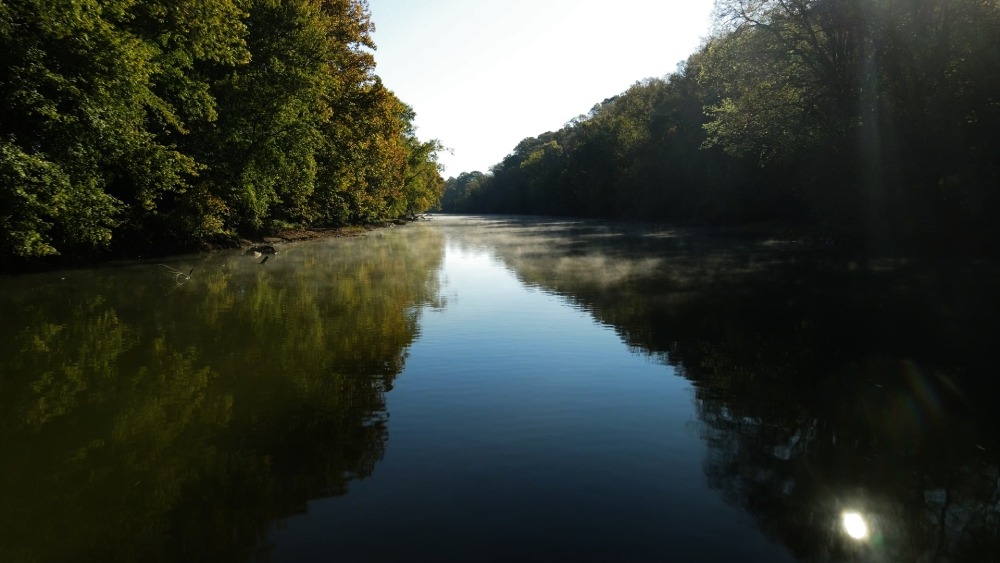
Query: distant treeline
point(872, 122)
point(127, 125)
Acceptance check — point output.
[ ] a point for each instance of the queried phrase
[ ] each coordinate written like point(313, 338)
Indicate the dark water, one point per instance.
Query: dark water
point(503, 389)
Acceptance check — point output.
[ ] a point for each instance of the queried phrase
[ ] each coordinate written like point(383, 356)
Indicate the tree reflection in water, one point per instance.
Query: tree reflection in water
point(833, 393)
point(142, 421)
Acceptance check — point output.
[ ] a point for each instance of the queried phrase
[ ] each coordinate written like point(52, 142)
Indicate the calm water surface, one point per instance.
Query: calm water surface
point(498, 389)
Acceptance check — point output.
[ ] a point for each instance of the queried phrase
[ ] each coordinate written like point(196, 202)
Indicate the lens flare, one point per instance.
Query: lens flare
point(854, 525)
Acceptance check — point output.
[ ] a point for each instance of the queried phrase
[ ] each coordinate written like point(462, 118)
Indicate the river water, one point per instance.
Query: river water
point(503, 389)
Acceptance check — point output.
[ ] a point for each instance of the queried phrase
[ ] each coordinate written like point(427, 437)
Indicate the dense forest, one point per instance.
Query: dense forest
point(134, 126)
point(871, 124)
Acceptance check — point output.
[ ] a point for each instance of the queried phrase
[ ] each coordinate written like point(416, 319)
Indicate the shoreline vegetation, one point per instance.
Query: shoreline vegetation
point(165, 126)
point(299, 234)
point(867, 126)
point(274, 238)
point(138, 127)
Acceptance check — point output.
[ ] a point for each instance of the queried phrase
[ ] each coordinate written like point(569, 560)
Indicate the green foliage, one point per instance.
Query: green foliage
point(461, 192)
point(133, 123)
point(424, 186)
point(763, 111)
point(633, 155)
point(42, 209)
point(873, 122)
point(870, 106)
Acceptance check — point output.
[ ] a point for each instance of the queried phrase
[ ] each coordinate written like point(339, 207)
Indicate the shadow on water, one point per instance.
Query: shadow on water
point(824, 386)
point(151, 416)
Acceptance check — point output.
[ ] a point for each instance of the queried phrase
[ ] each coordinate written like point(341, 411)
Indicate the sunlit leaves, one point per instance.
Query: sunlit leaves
point(41, 207)
point(778, 83)
point(179, 122)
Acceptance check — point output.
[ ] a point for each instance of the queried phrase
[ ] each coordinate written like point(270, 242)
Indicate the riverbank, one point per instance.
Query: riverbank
point(297, 234)
point(284, 236)
point(275, 237)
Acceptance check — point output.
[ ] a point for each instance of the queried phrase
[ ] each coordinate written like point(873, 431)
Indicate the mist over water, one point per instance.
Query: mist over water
point(502, 388)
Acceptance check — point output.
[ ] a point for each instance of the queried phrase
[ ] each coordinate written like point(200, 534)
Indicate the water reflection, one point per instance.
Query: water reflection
point(848, 405)
point(154, 413)
point(823, 384)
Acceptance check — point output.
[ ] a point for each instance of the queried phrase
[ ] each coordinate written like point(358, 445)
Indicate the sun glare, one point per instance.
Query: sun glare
point(854, 525)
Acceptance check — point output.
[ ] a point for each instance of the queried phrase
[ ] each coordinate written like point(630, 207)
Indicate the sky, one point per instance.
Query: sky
point(482, 75)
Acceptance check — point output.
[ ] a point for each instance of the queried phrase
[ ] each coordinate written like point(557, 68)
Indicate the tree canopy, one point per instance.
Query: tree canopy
point(869, 121)
point(139, 124)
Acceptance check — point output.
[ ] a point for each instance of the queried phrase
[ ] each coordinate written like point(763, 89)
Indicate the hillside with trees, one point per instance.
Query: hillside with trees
point(137, 126)
point(871, 123)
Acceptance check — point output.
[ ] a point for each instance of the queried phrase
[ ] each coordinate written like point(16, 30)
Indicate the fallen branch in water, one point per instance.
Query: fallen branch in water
point(179, 276)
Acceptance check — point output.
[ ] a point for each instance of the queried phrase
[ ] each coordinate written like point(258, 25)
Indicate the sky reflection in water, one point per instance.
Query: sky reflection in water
point(521, 428)
point(502, 389)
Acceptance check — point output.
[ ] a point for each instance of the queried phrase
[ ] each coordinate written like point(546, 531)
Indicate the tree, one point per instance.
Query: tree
point(461, 192)
point(871, 110)
point(98, 96)
point(424, 186)
point(791, 74)
point(164, 124)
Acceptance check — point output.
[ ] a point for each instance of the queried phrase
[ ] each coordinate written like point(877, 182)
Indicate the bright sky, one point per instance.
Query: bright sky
point(484, 74)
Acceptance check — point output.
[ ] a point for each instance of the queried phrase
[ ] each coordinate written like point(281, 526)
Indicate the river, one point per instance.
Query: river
point(503, 389)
